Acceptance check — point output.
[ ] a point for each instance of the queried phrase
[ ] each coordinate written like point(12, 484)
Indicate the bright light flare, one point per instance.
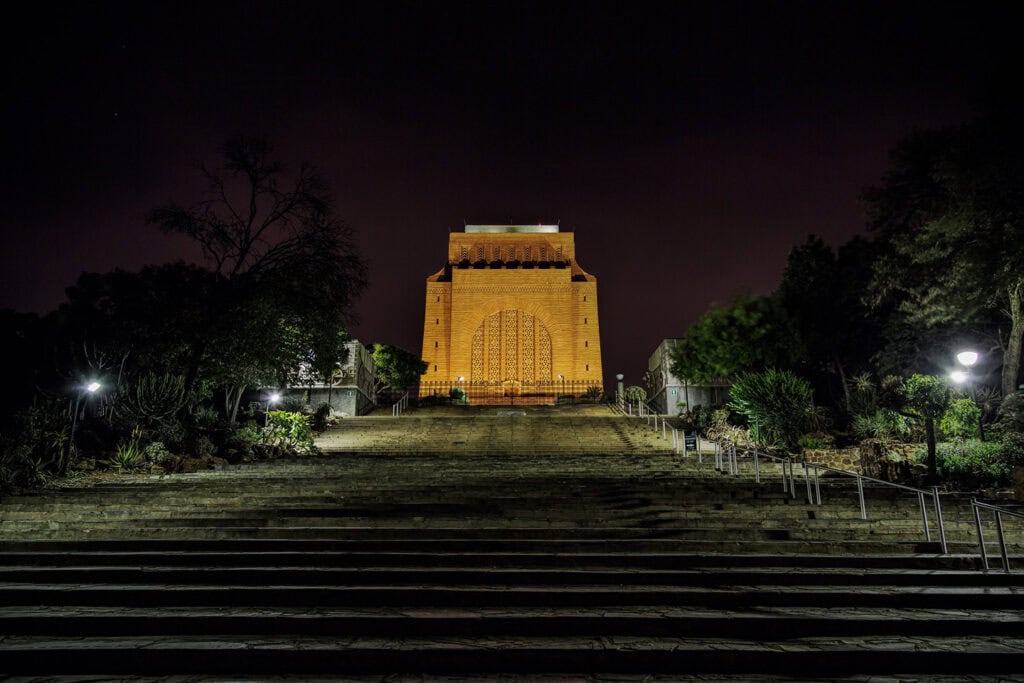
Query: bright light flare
point(958, 376)
point(93, 387)
point(967, 358)
point(274, 398)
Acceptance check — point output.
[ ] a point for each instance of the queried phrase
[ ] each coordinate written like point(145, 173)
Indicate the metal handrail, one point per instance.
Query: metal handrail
point(998, 512)
point(400, 405)
point(727, 449)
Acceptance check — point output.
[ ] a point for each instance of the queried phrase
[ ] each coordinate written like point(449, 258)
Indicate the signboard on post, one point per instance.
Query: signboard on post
point(689, 442)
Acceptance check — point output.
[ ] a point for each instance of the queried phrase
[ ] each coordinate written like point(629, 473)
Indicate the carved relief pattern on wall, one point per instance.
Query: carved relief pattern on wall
point(477, 372)
point(511, 355)
point(528, 357)
point(496, 355)
point(544, 350)
point(494, 347)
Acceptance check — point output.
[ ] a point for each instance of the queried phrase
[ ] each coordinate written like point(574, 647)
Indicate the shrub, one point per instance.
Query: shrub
point(156, 452)
point(1013, 448)
point(153, 400)
point(883, 424)
point(1010, 416)
point(961, 420)
point(203, 447)
point(44, 435)
point(970, 463)
point(18, 469)
point(205, 417)
point(320, 417)
point(810, 441)
point(289, 431)
point(457, 394)
point(777, 401)
point(129, 455)
point(634, 393)
point(239, 443)
point(721, 429)
point(700, 418)
point(593, 393)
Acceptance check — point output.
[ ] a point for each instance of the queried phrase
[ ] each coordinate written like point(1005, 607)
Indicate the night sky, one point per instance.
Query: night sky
point(688, 148)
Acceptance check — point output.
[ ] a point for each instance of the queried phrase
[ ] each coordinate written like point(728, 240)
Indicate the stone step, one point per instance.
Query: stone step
point(114, 596)
point(489, 622)
point(477, 574)
point(511, 656)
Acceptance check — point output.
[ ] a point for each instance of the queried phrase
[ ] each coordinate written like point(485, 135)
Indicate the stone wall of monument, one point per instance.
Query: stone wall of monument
point(507, 322)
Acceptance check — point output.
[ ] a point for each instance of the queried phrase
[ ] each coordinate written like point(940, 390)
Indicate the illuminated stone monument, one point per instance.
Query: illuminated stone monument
point(511, 313)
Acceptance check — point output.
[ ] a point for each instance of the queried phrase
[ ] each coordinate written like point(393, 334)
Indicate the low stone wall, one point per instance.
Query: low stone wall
point(839, 458)
point(888, 461)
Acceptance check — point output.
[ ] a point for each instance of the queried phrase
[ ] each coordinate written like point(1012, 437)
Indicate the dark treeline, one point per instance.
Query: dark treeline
point(169, 351)
point(940, 271)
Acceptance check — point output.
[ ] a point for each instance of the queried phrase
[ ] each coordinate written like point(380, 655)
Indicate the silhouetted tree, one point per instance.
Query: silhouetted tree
point(822, 294)
point(951, 216)
point(286, 266)
point(395, 367)
point(751, 333)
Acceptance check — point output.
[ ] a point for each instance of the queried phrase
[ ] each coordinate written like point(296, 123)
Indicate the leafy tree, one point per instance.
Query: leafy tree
point(635, 393)
point(134, 322)
point(951, 215)
point(750, 334)
point(395, 367)
point(285, 265)
point(822, 294)
point(780, 403)
point(927, 398)
point(961, 419)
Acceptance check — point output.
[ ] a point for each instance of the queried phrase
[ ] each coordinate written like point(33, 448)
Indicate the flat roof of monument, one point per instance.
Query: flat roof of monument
point(512, 228)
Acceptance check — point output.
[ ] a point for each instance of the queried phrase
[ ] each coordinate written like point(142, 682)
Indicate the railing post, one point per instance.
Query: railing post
point(757, 467)
point(675, 441)
point(938, 518)
point(860, 495)
point(817, 485)
point(981, 535)
point(1002, 542)
point(924, 517)
point(785, 480)
point(663, 428)
point(792, 481)
point(807, 481)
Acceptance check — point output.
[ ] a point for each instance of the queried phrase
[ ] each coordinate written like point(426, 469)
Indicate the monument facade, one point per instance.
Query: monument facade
point(511, 313)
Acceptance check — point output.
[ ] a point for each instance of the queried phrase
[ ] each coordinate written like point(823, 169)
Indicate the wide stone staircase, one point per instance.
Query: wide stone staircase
point(599, 555)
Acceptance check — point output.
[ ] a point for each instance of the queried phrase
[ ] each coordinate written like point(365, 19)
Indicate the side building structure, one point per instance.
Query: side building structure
point(511, 314)
point(350, 393)
point(666, 391)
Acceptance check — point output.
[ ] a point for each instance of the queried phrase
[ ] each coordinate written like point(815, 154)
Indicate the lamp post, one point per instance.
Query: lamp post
point(967, 359)
point(619, 391)
point(85, 390)
point(271, 400)
point(562, 377)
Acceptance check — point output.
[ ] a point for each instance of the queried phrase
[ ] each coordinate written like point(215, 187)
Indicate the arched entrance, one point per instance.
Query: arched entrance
point(511, 346)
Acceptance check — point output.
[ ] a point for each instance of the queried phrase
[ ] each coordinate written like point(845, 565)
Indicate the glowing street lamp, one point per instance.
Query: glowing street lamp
point(967, 359)
point(271, 400)
point(85, 390)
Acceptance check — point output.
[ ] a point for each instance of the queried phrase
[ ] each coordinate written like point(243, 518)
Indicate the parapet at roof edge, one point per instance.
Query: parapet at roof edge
point(511, 228)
